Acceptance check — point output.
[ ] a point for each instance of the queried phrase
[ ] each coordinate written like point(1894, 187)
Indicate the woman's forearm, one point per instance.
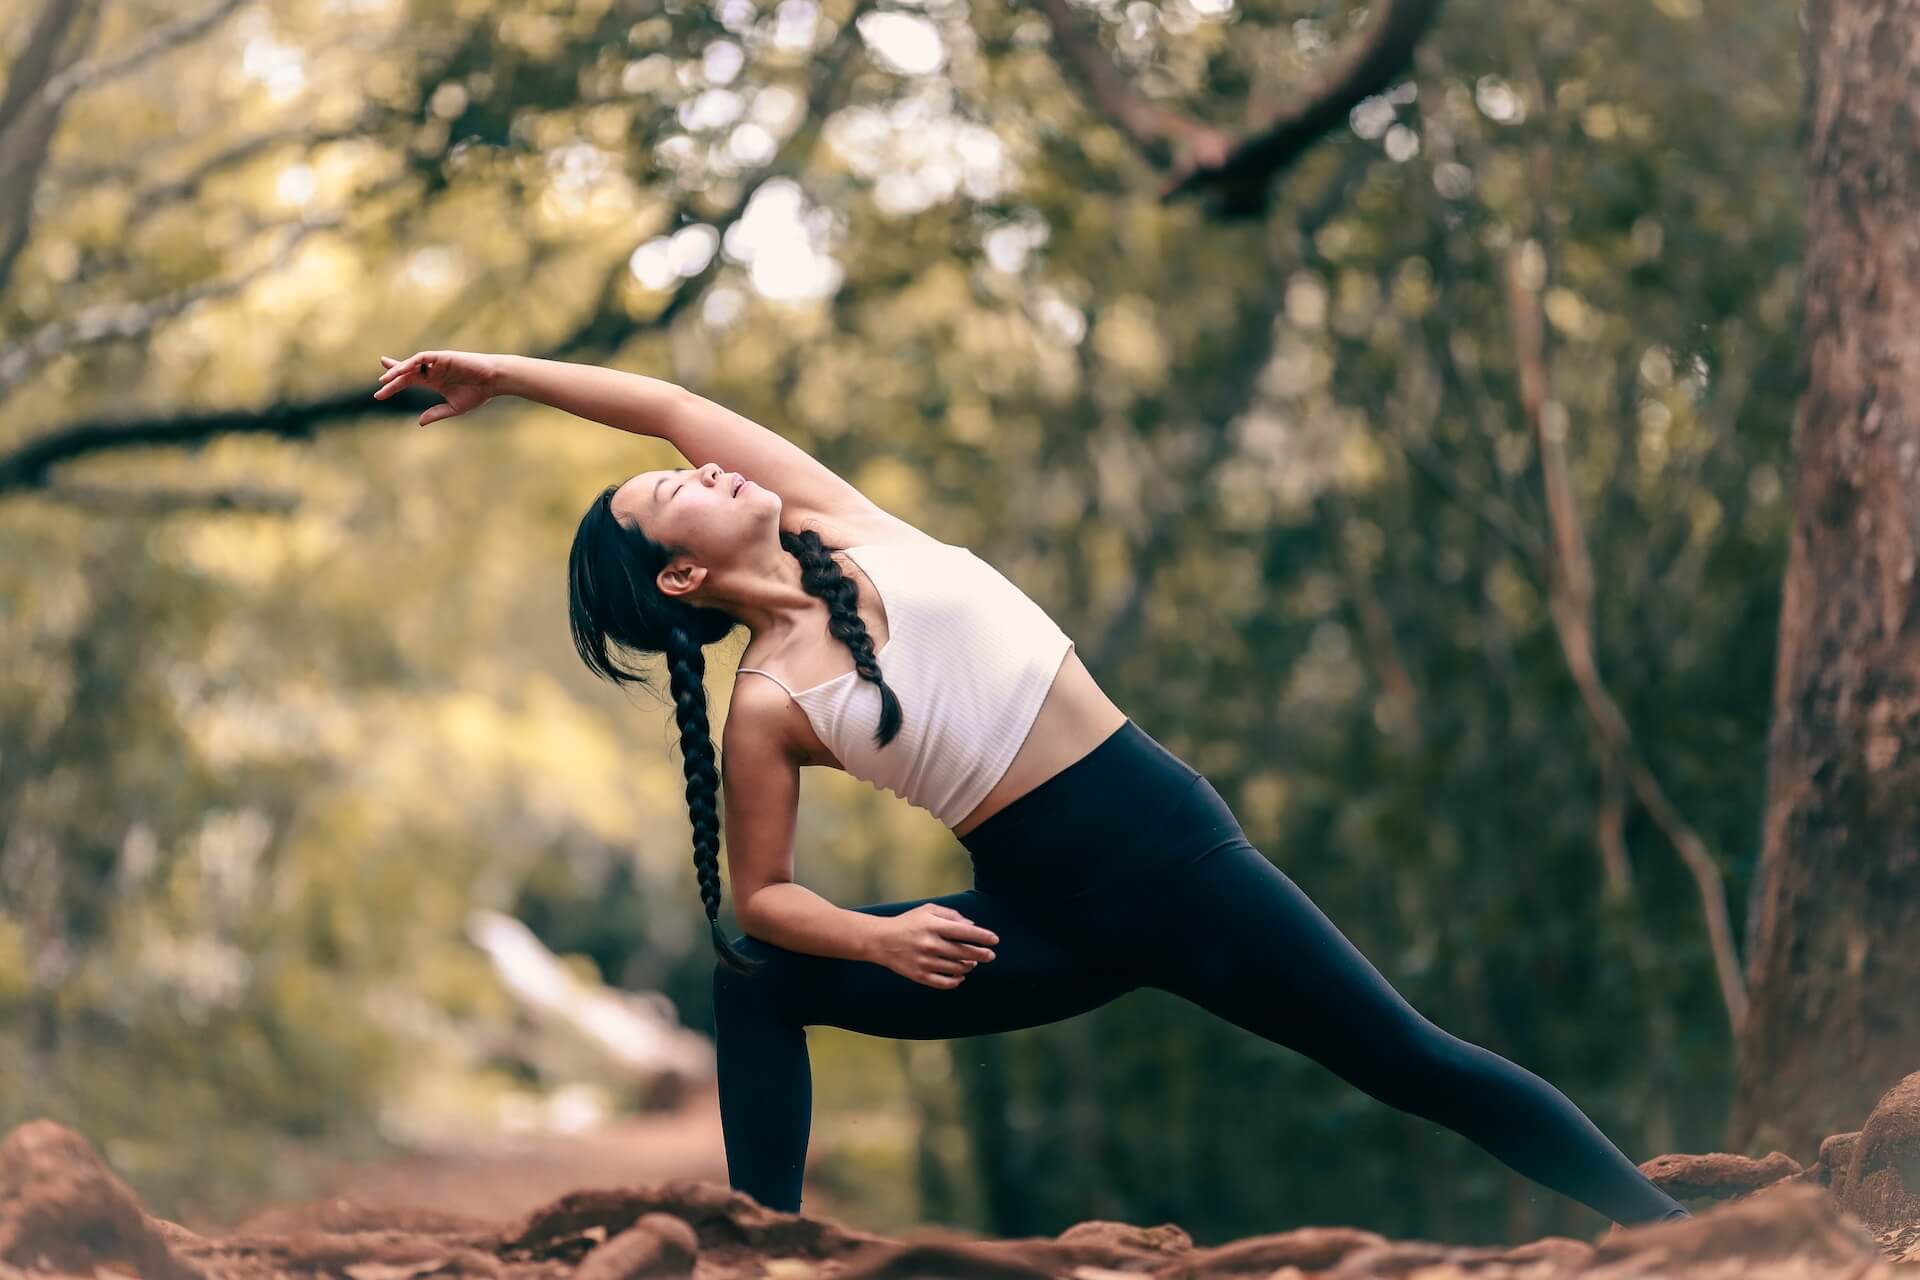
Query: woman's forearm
point(795, 917)
point(630, 401)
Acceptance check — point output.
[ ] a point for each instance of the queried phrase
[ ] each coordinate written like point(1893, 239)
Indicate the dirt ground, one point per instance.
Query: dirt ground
point(648, 1197)
point(499, 1176)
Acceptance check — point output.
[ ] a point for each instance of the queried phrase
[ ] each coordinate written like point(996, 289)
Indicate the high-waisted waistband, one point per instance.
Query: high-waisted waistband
point(1106, 817)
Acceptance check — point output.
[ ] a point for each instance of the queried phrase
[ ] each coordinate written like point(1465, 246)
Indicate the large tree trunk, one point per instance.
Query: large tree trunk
point(1834, 960)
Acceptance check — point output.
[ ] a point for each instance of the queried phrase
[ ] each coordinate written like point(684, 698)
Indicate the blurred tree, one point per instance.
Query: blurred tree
point(1835, 948)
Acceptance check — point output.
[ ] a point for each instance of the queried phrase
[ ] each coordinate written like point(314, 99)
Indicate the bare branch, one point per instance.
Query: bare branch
point(1569, 594)
point(1164, 136)
point(185, 187)
point(28, 122)
point(1570, 580)
point(111, 500)
point(37, 64)
point(1610, 832)
point(300, 130)
point(1198, 157)
point(95, 71)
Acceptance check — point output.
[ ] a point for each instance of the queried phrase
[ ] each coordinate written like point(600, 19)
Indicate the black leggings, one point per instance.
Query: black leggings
point(1127, 870)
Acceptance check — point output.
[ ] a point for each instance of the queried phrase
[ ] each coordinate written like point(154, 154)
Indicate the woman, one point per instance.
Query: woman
point(1102, 862)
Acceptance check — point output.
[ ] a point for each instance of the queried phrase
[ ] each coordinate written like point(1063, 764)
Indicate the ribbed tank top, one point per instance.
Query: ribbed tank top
point(971, 659)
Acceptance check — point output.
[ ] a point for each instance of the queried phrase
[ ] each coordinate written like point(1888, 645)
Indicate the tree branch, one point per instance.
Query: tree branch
point(27, 123)
point(1570, 576)
point(1196, 157)
point(1569, 594)
point(93, 71)
point(112, 500)
point(37, 94)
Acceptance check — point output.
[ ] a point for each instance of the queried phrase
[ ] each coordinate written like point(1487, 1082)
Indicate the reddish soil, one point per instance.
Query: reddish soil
point(504, 1208)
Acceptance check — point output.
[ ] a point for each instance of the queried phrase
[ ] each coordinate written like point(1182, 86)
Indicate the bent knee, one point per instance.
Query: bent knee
point(766, 959)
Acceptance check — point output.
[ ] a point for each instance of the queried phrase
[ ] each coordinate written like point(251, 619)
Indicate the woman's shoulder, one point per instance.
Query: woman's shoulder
point(876, 528)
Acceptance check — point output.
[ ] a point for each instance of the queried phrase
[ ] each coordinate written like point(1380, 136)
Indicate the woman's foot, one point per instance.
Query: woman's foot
point(1668, 1216)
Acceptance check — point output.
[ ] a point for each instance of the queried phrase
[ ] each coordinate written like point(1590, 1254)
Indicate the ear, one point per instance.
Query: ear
point(680, 576)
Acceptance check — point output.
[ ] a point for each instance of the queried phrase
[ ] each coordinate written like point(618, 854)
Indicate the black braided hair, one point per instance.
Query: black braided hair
point(821, 575)
point(614, 598)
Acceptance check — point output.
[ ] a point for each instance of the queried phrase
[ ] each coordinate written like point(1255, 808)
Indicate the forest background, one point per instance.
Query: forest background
point(288, 690)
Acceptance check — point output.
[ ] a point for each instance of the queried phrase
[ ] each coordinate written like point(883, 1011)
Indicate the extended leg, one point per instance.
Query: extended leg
point(1254, 949)
point(765, 1078)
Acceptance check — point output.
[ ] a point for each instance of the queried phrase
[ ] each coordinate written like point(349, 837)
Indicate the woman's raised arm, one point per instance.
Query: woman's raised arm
point(703, 430)
point(630, 401)
point(811, 494)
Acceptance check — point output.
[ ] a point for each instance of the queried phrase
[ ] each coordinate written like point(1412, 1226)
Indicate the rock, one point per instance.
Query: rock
point(673, 1230)
point(62, 1208)
point(719, 1216)
point(1836, 1157)
point(1312, 1249)
point(1790, 1229)
point(658, 1245)
point(1423, 1260)
point(1718, 1175)
point(948, 1260)
point(1882, 1185)
point(1165, 1238)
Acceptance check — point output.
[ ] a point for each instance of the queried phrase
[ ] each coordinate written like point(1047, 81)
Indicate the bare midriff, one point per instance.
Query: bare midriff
point(1076, 717)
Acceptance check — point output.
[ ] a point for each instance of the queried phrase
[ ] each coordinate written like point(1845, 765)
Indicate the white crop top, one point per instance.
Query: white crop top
point(969, 656)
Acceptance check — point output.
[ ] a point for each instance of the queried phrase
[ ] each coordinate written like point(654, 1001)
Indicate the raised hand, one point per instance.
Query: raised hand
point(464, 379)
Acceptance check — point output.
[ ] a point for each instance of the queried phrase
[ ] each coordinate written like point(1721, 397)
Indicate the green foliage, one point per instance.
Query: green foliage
point(255, 770)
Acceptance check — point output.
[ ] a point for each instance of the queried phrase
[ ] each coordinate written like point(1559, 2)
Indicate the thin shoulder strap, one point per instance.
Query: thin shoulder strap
point(769, 675)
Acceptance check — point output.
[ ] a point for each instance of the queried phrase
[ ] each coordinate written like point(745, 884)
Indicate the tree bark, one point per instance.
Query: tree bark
point(1834, 938)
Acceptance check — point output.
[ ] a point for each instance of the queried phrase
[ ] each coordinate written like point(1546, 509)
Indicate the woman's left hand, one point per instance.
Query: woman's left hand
point(466, 379)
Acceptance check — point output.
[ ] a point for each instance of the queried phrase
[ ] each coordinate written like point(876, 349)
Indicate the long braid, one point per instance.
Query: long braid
point(821, 575)
point(687, 669)
point(613, 599)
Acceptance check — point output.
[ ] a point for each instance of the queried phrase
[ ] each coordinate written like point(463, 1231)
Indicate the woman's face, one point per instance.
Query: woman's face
point(718, 516)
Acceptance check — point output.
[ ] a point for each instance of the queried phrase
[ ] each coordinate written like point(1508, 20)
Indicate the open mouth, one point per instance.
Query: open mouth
point(738, 485)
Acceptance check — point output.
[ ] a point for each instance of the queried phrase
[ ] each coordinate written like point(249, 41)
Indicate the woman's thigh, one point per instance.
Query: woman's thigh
point(1036, 977)
point(1249, 945)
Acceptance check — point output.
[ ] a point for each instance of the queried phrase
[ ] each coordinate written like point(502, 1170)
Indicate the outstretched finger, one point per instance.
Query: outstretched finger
point(400, 383)
point(967, 931)
point(393, 381)
point(418, 362)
